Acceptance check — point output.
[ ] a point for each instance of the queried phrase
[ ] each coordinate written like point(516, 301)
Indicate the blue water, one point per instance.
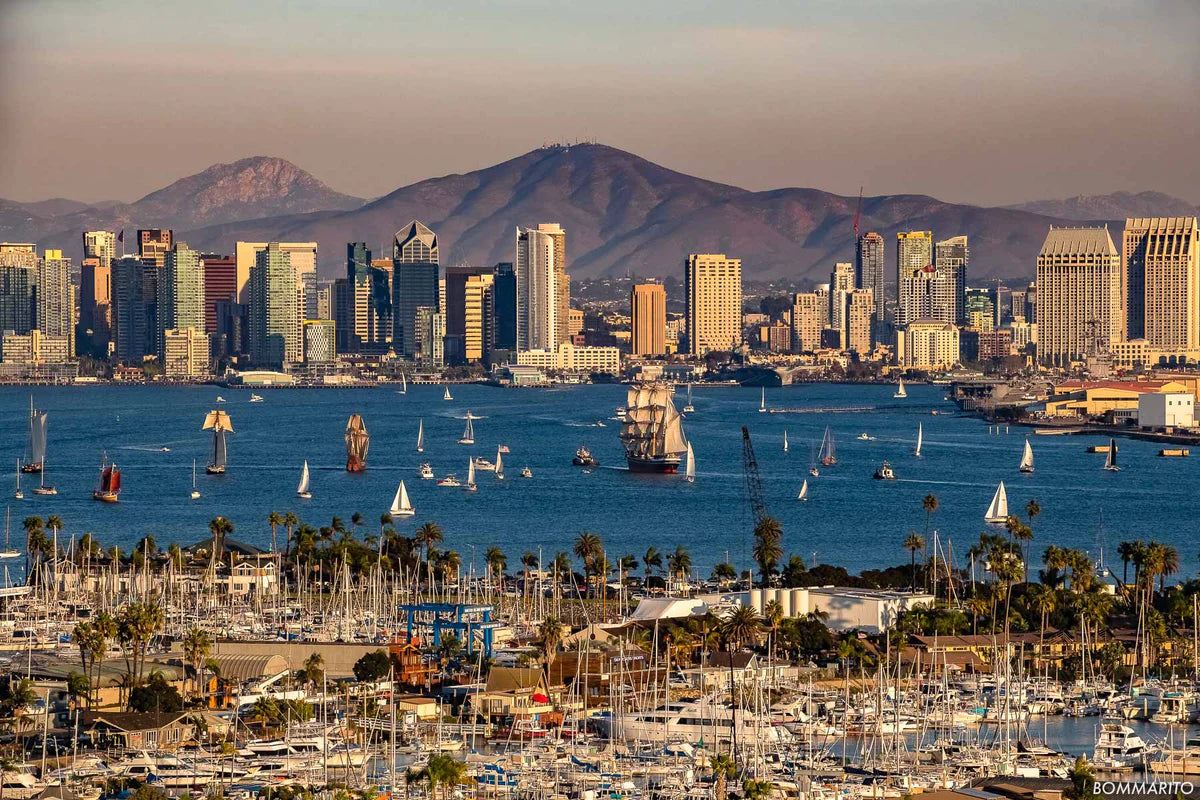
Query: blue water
point(849, 520)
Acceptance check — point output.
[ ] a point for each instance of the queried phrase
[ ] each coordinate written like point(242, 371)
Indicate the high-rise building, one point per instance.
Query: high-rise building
point(323, 302)
point(429, 332)
point(55, 306)
point(153, 245)
point(185, 352)
point(476, 341)
point(233, 330)
point(928, 344)
point(648, 319)
point(858, 315)
point(504, 307)
point(16, 299)
point(950, 280)
point(455, 310)
point(914, 273)
point(841, 284)
point(220, 283)
point(362, 302)
point(319, 338)
point(95, 306)
point(130, 333)
point(273, 320)
point(18, 254)
point(414, 283)
point(810, 314)
point(302, 255)
point(180, 294)
point(713, 287)
point(1160, 264)
point(101, 245)
point(543, 296)
point(869, 269)
point(1079, 294)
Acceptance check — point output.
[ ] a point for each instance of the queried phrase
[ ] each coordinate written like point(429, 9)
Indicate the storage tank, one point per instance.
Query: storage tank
point(785, 602)
point(756, 600)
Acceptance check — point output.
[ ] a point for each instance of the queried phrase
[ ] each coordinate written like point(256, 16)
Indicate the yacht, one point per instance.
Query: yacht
point(21, 785)
point(256, 398)
point(526, 472)
point(692, 721)
point(1119, 748)
point(426, 472)
point(483, 465)
point(449, 480)
point(584, 458)
point(885, 473)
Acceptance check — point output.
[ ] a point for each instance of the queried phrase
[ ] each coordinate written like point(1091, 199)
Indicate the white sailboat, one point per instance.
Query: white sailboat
point(900, 392)
point(401, 507)
point(18, 494)
point(1027, 458)
point(803, 491)
point(689, 408)
point(7, 553)
point(403, 384)
point(468, 436)
point(302, 488)
point(195, 489)
point(690, 469)
point(421, 436)
point(470, 484)
point(785, 441)
point(1110, 462)
point(446, 395)
point(42, 488)
point(499, 464)
point(762, 404)
point(920, 439)
point(997, 512)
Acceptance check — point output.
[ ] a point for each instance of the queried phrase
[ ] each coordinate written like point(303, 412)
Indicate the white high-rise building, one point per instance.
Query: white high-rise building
point(713, 287)
point(541, 318)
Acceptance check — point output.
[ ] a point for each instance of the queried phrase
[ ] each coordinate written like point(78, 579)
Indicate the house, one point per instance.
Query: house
point(597, 674)
point(412, 667)
point(513, 692)
point(138, 730)
point(977, 653)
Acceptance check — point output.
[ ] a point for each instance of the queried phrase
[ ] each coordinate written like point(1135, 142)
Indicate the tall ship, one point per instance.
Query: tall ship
point(218, 422)
point(357, 441)
point(652, 430)
point(109, 488)
point(37, 440)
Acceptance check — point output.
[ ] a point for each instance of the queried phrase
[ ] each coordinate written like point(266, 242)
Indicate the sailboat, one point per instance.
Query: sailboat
point(997, 512)
point(762, 404)
point(109, 487)
point(18, 494)
point(302, 489)
point(1110, 463)
point(218, 422)
point(42, 488)
point(400, 505)
point(900, 392)
point(499, 464)
point(195, 491)
point(785, 441)
point(37, 440)
point(812, 462)
point(446, 395)
point(470, 484)
point(1027, 458)
point(357, 442)
point(689, 408)
point(920, 439)
point(7, 553)
point(828, 453)
point(690, 468)
point(403, 385)
point(803, 491)
point(652, 432)
point(421, 436)
point(468, 436)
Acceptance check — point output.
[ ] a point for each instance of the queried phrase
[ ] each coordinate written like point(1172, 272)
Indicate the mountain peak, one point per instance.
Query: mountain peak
point(1116, 205)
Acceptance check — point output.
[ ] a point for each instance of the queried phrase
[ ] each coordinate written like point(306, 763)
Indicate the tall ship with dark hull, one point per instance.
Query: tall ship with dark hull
point(218, 422)
point(357, 441)
point(652, 429)
point(37, 441)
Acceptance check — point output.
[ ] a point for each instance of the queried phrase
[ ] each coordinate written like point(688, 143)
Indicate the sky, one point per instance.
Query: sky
point(979, 101)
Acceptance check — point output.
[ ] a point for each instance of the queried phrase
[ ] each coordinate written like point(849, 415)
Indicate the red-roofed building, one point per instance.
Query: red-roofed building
point(1097, 398)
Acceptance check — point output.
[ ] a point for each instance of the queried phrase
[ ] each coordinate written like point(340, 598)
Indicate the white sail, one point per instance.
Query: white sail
point(468, 436)
point(421, 436)
point(499, 464)
point(997, 512)
point(303, 487)
point(803, 491)
point(1027, 458)
point(403, 384)
point(920, 438)
point(37, 437)
point(471, 472)
point(785, 441)
point(762, 404)
point(447, 396)
point(690, 470)
point(900, 392)
point(401, 507)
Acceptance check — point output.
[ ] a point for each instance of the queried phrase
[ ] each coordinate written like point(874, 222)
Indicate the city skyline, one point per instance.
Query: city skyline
point(1024, 129)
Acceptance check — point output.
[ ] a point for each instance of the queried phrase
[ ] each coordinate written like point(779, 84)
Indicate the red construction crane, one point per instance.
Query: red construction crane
point(857, 214)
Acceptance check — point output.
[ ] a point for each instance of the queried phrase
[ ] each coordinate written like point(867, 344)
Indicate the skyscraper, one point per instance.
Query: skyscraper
point(95, 306)
point(950, 281)
point(562, 281)
point(476, 337)
point(1079, 294)
point(914, 272)
point(130, 335)
point(302, 255)
point(541, 319)
point(456, 282)
point(1160, 264)
point(504, 307)
point(180, 294)
point(810, 312)
point(220, 283)
point(869, 269)
point(362, 302)
point(859, 311)
point(153, 244)
point(275, 336)
point(648, 319)
point(414, 283)
point(16, 299)
point(713, 287)
point(841, 284)
point(101, 245)
point(55, 314)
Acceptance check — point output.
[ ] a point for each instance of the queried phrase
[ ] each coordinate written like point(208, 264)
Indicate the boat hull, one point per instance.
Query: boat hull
point(105, 497)
point(668, 465)
point(355, 464)
point(31, 469)
point(215, 469)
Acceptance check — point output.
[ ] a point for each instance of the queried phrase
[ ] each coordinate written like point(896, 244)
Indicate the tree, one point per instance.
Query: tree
point(314, 669)
point(156, 695)
point(768, 546)
point(428, 535)
point(497, 562)
point(793, 573)
point(445, 771)
point(1083, 779)
point(930, 504)
point(912, 543)
point(220, 528)
point(724, 572)
point(680, 564)
point(274, 519)
point(590, 550)
point(723, 769)
point(79, 688)
point(773, 617)
point(740, 627)
point(550, 636)
point(757, 790)
point(652, 560)
point(529, 560)
point(137, 624)
point(197, 644)
point(372, 667)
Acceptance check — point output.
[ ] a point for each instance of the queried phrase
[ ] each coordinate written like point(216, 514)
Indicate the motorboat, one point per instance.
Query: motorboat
point(450, 480)
point(426, 471)
point(692, 721)
point(483, 465)
point(526, 472)
point(584, 458)
point(884, 473)
point(1119, 748)
point(256, 398)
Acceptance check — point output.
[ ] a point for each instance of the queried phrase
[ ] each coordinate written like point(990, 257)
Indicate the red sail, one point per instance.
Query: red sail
point(114, 484)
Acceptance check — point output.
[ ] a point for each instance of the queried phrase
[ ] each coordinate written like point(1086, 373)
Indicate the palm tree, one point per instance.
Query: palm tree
point(274, 519)
point(496, 561)
point(590, 550)
point(1044, 600)
point(550, 636)
point(314, 668)
point(290, 521)
point(768, 546)
point(652, 560)
point(136, 626)
point(196, 647)
point(737, 629)
point(930, 504)
point(626, 564)
point(1125, 550)
point(773, 617)
point(723, 769)
point(446, 771)
point(757, 790)
point(912, 543)
point(219, 528)
point(559, 566)
point(680, 563)
point(427, 536)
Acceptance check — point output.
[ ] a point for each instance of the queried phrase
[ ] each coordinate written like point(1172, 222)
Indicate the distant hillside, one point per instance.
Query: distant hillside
point(1118, 205)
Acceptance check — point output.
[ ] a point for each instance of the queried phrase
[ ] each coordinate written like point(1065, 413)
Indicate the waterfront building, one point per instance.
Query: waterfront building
point(841, 283)
point(320, 337)
point(543, 294)
point(928, 344)
point(55, 299)
point(185, 352)
point(569, 358)
point(429, 332)
point(869, 269)
point(16, 298)
point(1079, 294)
point(949, 284)
point(154, 244)
point(1157, 410)
point(648, 319)
point(1076, 398)
point(456, 310)
point(34, 347)
point(713, 289)
point(415, 285)
point(220, 283)
point(131, 330)
point(273, 320)
point(180, 302)
point(1160, 265)
point(858, 315)
point(476, 341)
point(914, 272)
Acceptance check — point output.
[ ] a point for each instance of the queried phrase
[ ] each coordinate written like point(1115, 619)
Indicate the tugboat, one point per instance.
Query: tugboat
point(884, 473)
point(584, 458)
point(426, 472)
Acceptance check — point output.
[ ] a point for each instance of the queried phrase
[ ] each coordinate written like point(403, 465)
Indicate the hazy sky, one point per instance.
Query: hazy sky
point(984, 101)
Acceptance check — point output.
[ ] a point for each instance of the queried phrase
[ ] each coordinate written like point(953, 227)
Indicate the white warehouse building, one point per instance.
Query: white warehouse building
point(1166, 410)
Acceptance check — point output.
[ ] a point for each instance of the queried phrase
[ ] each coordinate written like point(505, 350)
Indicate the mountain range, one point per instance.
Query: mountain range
point(623, 214)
